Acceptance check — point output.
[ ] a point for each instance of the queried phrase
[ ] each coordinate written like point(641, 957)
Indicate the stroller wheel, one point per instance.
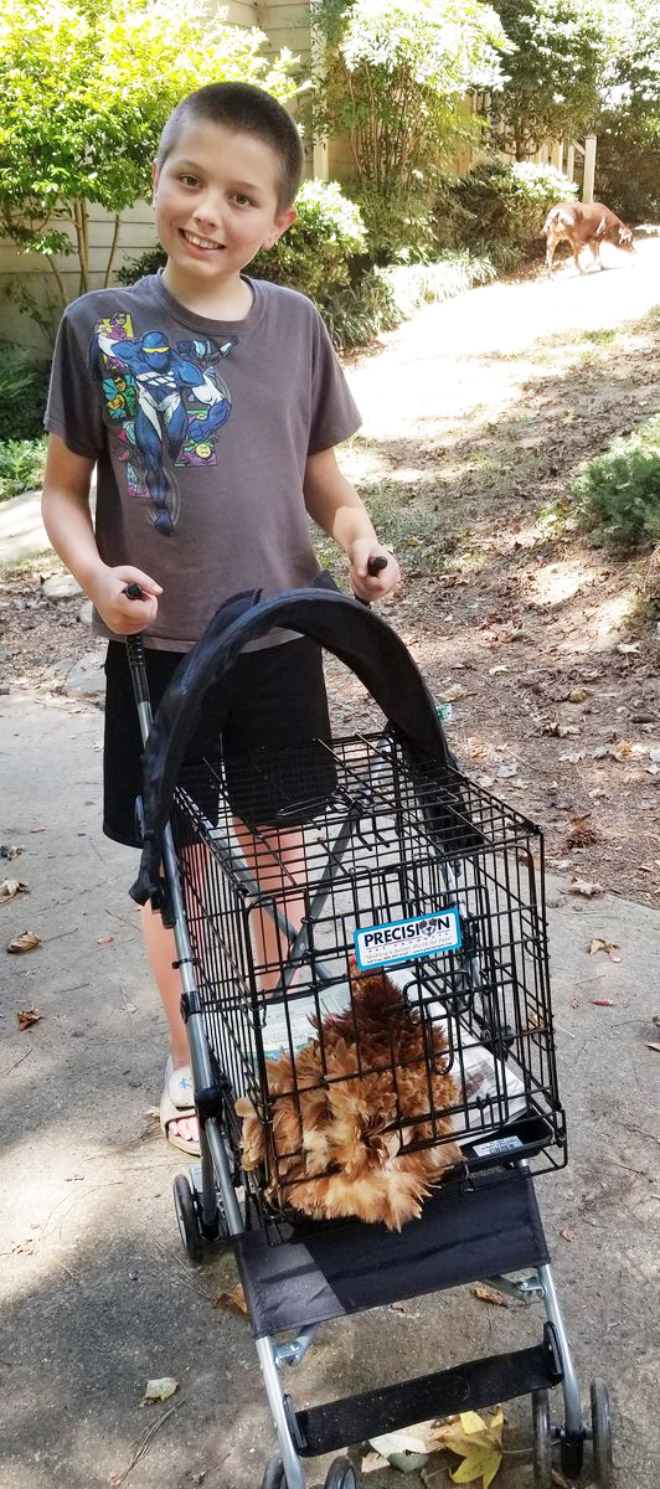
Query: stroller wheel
point(601, 1427)
point(342, 1475)
point(187, 1218)
point(542, 1457)
point(274, 1474)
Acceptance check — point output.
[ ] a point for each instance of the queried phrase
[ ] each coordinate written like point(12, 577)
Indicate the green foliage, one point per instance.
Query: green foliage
point(314, 254)
point(22, 464)
point(503, 206)
point(618, 493)
point(557, 70)
point(628, 159)
point(23, 390)
point(148, 262)
point(86, 89)
point(396, 77)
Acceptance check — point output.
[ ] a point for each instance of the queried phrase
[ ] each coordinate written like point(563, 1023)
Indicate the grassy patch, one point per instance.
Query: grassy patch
point(21, 465)
point(416, 533)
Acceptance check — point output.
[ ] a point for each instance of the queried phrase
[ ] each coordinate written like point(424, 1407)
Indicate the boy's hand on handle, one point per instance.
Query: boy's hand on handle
point(123, 614)
point(374, 570)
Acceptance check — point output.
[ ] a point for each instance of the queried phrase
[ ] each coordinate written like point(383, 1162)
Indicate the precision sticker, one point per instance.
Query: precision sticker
point(402, 940)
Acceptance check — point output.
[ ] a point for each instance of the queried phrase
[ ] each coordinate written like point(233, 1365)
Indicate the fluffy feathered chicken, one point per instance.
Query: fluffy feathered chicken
point(337, 1110)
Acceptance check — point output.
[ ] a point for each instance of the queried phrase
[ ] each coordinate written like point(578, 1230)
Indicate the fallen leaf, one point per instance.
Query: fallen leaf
point(453, 694)
point(493, 671)
point(566, 1235)
point(26, 1247)
point(27, 1017)
point(603, 1002)
point(507, 772)
point(482, 1463)
point(572, 757)
point(234, 1300)
point(652, 1045)
point(9, 888)
point(561, 731)
point(598, 944)
point(25, 942)
point(153, 1112)
point(372, 1462)
point(585, 887)
point(628, 647)
point(160, 1390)
point(10, 850)
point(489, 1295)
point(105, 940)
point(582, 833)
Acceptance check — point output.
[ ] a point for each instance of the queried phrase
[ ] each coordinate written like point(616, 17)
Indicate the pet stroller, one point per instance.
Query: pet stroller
point(405, 871)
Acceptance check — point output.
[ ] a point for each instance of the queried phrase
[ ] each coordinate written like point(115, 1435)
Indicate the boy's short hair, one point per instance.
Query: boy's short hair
point(242, 107)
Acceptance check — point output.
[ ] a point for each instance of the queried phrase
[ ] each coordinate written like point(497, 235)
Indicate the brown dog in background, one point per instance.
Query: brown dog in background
point(581, 223)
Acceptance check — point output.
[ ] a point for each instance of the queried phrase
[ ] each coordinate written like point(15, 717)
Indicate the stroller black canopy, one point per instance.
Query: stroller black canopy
point(343, 626)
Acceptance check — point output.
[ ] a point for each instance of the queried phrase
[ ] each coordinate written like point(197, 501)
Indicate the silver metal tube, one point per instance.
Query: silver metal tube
point(293, 1469)
point(570, 1384)
point(223, 1174)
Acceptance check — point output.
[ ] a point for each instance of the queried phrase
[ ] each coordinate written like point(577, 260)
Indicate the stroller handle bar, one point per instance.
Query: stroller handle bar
point(343, 626)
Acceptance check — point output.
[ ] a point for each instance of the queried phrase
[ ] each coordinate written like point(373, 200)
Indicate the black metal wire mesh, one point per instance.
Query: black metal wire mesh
point(395, 841)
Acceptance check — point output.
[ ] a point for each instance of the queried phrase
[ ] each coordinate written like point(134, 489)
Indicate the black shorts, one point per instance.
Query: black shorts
point(278, 704)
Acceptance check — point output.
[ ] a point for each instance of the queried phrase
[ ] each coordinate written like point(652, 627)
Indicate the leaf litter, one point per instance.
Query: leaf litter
point(475, 1438)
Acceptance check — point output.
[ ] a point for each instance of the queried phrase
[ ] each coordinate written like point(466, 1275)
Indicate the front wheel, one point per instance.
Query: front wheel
point(542, 1455)
point(342, 1475)
point(274, 1474)
point(601, 1427)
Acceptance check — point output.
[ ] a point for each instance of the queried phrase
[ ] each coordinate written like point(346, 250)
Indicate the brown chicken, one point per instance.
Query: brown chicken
point(337, 1143)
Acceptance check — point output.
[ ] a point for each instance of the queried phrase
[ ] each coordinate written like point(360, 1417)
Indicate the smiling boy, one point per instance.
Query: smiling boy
point(210, 404)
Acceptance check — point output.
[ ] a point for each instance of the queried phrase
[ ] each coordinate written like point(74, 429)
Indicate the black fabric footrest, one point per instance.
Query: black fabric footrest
point(465, 1234)
point(478, 1383)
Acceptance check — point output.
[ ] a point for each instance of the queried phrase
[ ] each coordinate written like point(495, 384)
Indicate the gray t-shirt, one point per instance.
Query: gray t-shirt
point(201, 430)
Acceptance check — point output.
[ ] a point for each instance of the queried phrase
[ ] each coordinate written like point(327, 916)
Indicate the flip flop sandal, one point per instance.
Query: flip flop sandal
point(175, 1103)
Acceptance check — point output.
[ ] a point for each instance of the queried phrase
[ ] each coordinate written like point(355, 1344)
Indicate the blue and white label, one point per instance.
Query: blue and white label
point(402, 940)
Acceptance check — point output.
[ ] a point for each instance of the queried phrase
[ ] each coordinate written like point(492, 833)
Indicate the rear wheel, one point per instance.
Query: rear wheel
point(542, 1457)
point(601, 1427)
point(342, 1475)
point(274, 1474)
point(187, 1218)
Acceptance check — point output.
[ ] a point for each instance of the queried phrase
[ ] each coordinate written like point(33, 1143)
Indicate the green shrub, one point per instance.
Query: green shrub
point(618, 493)
point(21, 465)
point(148, 262)
point(23, 390)
point(502, 206)
point(400, 228)
point(315, 253)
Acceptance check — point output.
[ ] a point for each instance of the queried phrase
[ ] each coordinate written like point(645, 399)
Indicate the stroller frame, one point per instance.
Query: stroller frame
point(209, 1212)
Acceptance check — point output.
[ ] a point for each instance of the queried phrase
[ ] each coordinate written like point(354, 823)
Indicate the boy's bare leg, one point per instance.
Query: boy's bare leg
point(161, 951)
point(277, 862)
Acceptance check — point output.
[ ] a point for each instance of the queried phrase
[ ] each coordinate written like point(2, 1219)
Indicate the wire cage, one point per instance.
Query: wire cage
point(373, 968)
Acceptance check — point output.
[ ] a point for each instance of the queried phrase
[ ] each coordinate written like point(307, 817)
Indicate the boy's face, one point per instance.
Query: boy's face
point(215, 202)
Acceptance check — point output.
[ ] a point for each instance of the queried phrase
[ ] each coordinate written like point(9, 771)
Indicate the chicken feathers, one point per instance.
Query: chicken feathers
point(336, 1142)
